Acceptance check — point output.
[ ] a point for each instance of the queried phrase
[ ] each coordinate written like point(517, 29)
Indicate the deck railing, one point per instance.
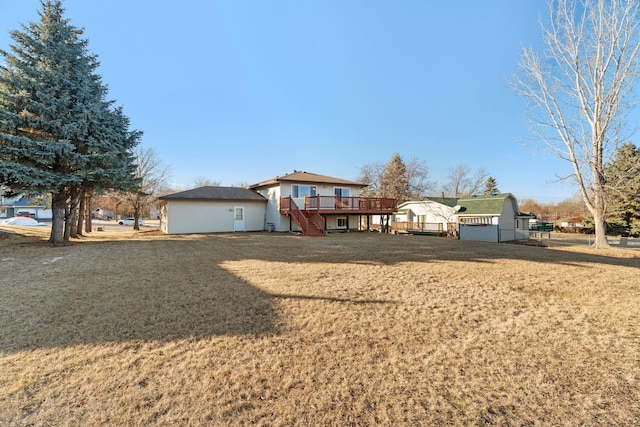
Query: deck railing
point(372, 205)
point(421, 227)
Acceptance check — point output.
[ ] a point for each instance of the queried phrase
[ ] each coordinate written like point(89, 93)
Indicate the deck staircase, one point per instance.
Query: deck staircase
point(310, 223)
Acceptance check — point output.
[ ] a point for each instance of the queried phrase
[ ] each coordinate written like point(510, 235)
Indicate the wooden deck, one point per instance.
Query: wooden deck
point(311, 216)
point(433, 229)
point(330, 205)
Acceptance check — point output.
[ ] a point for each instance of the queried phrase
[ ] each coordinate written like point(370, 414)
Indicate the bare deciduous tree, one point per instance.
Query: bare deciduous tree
point(464, 182)
point(579, 89)
point(201, 181)
point(151, 173)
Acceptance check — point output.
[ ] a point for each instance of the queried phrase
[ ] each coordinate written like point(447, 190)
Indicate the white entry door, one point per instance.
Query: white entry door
point(238, 218)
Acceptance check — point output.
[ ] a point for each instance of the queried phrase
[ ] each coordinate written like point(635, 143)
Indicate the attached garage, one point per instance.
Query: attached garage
point(212, 210)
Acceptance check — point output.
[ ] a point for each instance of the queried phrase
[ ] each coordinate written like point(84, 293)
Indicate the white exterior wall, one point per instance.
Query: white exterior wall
point(482, 233)
point(508, 225)
point(273, 216)
point(332, 222)
point(503, 228)
point(44, 213)
point(433, 212)
point(184, 217)
point(282, 222)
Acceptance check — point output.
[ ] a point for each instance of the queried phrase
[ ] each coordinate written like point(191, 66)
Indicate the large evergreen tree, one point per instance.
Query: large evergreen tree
point(394, 182)
point(396, 179)
point(623, 187)
point(58, 134)
point(491, 187)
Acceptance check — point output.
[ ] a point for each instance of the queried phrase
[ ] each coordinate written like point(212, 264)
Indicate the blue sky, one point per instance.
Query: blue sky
point(242, 91)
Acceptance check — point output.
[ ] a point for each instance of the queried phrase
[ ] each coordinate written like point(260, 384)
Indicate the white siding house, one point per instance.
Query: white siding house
point(11, 206)
point(485, 218)
point(301, 201)
point(434, 214)
point(334, 203)
point(212, 210)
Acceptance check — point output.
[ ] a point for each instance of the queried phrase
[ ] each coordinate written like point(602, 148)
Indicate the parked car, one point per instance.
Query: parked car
point(23, 214)
point(130, 221)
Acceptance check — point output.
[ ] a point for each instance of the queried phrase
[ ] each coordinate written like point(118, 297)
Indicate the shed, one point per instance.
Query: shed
point(491, 218)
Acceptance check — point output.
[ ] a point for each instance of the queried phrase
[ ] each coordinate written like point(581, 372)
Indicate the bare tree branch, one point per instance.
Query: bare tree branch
point(579, 89)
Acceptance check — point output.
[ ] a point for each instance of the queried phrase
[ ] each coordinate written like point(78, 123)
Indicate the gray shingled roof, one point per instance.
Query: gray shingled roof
point(306, 177)
point(209, 193)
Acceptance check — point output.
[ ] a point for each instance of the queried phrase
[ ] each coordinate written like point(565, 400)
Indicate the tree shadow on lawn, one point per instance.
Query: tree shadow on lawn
point(169, 288)
point(161, 290)
point(133, 296)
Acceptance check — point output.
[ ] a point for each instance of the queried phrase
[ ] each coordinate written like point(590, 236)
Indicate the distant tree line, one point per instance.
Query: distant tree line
point(410, 180)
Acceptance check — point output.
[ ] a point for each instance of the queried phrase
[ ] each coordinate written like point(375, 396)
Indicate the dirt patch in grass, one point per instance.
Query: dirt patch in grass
point(138, 328)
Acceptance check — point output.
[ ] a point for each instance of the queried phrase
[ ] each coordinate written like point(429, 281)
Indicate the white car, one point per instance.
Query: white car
point(129, 221)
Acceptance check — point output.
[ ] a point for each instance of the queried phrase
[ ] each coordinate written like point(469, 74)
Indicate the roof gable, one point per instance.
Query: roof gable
point(447, 201)
point(210, 193)
point(483, 204)
point(306, 177)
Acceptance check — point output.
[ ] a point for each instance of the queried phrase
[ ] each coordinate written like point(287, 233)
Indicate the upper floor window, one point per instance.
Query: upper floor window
point(302, 190)
point(341, 192)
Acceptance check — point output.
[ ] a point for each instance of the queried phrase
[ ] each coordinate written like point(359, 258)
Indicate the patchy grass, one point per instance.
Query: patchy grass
point(126, 328)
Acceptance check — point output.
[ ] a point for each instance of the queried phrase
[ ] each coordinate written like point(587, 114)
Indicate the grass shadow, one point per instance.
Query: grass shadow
point(97, 293)
point(173, 287)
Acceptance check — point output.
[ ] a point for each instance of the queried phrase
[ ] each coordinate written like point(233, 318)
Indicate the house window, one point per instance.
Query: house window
point(341, 223)
point(298, 191)
point(477, 220)
point(341, 192)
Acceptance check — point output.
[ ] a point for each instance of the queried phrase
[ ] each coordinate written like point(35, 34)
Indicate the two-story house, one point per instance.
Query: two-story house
point(302, 202)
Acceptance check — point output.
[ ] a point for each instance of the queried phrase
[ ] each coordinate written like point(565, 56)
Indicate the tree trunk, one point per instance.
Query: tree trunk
point(81, 214)
point(88, 215)
point(71, 229)
point(67, 222)
point(58, 210)
point(599, 221)
point(136, 215)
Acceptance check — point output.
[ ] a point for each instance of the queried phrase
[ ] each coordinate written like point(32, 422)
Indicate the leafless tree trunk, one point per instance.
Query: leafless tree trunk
point(152, 174)
point(579, 89)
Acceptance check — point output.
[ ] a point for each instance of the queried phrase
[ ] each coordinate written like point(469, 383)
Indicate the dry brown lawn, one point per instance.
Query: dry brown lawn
point(125, 328)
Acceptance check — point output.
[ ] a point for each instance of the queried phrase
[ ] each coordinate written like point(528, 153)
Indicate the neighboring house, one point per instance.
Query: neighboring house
point(492, 219)
point(316, 204)
point(11, 206)
point(485, 218)
point(212, 209)
point(433, 215)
